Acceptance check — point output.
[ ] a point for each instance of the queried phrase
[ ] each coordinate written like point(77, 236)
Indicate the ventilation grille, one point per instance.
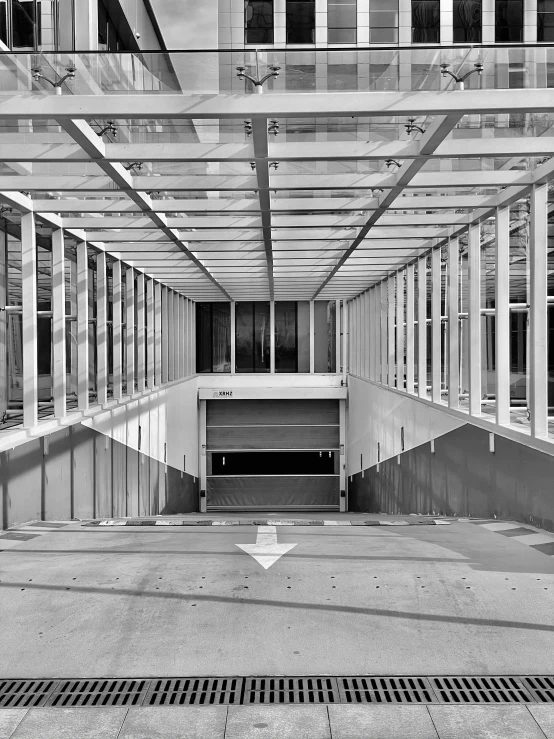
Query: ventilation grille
point(275, 690)
point(195, 691)
point(386, 690)
point(480, 690)
point(291, 690)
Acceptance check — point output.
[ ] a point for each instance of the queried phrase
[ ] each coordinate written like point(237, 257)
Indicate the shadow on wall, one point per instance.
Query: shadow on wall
point(79, 473)
point(462, 478)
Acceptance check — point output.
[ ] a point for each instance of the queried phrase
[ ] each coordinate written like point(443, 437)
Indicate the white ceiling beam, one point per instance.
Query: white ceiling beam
point(285, 105)
point(88, 140)
point(439, 129)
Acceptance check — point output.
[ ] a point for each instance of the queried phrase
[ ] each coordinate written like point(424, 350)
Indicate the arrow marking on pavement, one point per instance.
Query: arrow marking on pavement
point(266, 550)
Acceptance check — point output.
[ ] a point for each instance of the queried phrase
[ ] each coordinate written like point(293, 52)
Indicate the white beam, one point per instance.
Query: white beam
point(453, 325)
point(422, 327)
point(474, 319)
point(117, 329)
point(82, 327)
point(400, 376)
point(59, 376)
point(157, 334)
point(102, 328)
point(130, 329)
point(150, 335)
point(391, 303)
point(436, 326)
point(410, 355)
point(538, 313)
point(502, 314)
point(140, 333)
point(29, 319)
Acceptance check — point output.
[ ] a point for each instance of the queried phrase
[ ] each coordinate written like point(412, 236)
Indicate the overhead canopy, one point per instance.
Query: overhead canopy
point(305, 191)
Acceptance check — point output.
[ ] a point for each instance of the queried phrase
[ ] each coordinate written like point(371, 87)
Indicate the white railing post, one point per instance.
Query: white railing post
point(29, 319)
point(502, 314)
point(538, 312)
point(59, 376)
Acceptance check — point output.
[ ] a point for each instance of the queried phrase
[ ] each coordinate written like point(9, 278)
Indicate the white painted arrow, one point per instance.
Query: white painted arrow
point(266, 550)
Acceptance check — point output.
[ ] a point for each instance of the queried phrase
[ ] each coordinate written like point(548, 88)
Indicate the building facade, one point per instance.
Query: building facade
point(324, 296)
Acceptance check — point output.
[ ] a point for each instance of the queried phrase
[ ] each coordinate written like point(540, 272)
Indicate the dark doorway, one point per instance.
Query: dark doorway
point(273, 463)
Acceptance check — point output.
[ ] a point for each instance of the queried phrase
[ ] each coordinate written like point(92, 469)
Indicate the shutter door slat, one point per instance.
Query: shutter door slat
point(273, 492)
point(277, 437)
point(282, 412)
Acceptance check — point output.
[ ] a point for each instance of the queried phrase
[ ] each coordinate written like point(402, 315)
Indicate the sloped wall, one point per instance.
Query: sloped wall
point(462, 477)
point(97, 469)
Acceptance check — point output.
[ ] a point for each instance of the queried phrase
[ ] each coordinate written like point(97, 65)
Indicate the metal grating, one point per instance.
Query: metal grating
point(25, 693)
point(275, 690)
point(195, 691)
point(540, 687)
point(99, 693)
point(291, 690)
point(480, 690)
point(385, 690)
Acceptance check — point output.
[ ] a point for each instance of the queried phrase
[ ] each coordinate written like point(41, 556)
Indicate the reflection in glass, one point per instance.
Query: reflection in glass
point(213, 337)
point(325, 336)
point(467, 21)
point(509, 21)
point(252, 337)
point(300, 21)
point(286, 358)
point(426, 21)
point(258, 21)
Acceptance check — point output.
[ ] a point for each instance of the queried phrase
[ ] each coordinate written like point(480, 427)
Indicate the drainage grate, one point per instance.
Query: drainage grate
point(25, 693)
point(290, 690)
point(480, 690)
point(275, 690)
point(541, 688)
point(99, 693)
point(385, 690)
point(195, 691)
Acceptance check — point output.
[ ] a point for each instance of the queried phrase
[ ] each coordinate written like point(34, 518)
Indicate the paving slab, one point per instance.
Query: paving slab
point(381, 722)
point(10, 718)
point(544, 716)
point(72, 723)
point(484, 722)
point(175, 722)
point(277, 722)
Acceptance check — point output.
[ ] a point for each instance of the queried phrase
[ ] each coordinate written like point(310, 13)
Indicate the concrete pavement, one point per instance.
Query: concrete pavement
point(282, 722)
point(81, 601)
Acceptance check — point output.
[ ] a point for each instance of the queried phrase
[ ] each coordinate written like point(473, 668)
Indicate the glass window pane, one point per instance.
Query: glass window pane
point(203, 337)
point(342, 77)
point(258, 21)
point(261, 337)
point(3, 22)
point(383, 35)
point(221, 337)
point(303, 335)
point(341, 16)
point(300, 22)
point(467, 21)
point(383, 19)
point(286, 359)
point(325, 350)
point(23, 24)
point(341, 35)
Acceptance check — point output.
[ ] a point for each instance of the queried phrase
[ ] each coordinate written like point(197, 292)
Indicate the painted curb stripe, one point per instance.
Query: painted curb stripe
point(269, 522)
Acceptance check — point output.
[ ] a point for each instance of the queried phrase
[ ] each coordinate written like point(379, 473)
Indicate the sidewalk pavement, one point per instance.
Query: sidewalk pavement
point(282, 722)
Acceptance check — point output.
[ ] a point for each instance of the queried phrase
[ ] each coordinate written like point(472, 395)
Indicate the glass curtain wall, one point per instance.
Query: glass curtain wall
point(258, 22)
point(426, 21)
point(292, 336)
point(509, 21)
point(467, 27)
point(213, 337)
point(300, 21)
point(252, 340)
point(342, 21)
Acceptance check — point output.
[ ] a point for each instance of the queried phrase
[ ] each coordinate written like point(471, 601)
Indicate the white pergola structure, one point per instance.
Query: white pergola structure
point(261, 217)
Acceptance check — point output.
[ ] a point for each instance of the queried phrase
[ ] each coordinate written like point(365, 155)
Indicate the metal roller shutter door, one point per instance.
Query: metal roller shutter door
point(273, 425)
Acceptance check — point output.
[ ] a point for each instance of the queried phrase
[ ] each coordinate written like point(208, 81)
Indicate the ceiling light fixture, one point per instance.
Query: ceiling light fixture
point(56, 84)
point(460, 80)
